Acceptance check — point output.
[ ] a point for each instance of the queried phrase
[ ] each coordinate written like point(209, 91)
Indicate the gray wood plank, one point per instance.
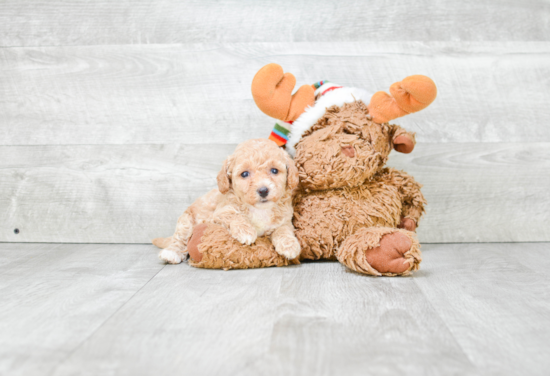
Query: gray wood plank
point(494, 299)
point(24, 252)
point(56, 296)
point(195, 94)
point(114, 309)
point(55, 22)
point(332, 321)
point(482, 192)
point(322, 320)
point(102, 194)
point(476, 192)
point(319, 318)
point(186, 321)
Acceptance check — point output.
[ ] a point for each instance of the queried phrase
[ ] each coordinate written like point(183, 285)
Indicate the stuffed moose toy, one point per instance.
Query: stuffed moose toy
point(348, 207)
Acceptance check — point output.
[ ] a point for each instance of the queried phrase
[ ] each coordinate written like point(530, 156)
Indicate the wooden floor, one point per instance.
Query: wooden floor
point(100, 309)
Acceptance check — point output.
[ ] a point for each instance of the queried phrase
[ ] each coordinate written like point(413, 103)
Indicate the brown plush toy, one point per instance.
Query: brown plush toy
point(349, 206)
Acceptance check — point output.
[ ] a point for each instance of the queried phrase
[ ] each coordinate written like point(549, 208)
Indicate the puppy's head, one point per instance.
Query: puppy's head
point(258, 173)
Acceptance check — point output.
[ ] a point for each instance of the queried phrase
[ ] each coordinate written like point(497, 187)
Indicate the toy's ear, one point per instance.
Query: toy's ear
point(412, 94)
point(404, 142)
point(292, 178)
point(224, 178)
point(272, 92)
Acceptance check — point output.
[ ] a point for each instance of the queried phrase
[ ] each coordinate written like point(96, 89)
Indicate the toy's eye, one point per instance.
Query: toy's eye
point(274, 171)
point(244, 174)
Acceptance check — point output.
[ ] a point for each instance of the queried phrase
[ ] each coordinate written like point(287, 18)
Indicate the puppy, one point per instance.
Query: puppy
point(253, 198)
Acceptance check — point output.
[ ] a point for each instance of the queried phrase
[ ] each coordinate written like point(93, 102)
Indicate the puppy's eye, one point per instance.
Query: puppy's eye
point(274, 171)
point(244, 174)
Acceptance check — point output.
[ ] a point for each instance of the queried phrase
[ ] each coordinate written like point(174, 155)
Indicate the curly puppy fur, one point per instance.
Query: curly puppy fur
point(253, 199)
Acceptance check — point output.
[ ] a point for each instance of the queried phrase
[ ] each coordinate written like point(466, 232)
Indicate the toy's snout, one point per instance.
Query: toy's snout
point(348, 151)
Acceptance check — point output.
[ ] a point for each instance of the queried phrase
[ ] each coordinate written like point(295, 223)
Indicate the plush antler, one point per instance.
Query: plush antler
point(272, 92)
point(412, 94)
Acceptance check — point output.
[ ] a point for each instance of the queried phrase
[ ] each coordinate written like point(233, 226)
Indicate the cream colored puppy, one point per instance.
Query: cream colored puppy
point(253, 198)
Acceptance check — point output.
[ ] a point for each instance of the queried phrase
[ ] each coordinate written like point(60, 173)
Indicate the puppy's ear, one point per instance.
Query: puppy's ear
point(224, 180)
point(292, 178)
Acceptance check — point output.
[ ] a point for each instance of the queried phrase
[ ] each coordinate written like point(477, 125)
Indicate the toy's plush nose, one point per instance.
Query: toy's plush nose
point(263, 192)
point(348, 151)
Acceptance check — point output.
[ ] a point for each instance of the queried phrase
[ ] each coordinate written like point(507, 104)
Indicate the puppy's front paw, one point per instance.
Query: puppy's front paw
point(244, 234)
point(171, 257)
point(288, 247)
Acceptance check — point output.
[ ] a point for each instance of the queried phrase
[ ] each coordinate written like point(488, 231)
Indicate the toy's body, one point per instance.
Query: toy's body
point(325, 219)
point(349, 206)
point(348, 199)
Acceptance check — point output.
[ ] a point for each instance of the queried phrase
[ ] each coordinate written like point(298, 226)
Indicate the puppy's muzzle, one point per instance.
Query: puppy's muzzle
point(263, 192)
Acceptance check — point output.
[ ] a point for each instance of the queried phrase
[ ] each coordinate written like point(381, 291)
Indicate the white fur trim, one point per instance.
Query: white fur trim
point(310, 116)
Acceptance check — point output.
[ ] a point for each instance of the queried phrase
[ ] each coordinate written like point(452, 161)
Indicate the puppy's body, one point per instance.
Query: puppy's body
point(253, 198)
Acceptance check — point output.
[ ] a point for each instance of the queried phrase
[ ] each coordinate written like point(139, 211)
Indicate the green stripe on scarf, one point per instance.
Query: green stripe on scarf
point(281, 129)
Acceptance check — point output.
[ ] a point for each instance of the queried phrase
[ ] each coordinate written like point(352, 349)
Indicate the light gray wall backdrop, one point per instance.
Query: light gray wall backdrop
point(114, 116)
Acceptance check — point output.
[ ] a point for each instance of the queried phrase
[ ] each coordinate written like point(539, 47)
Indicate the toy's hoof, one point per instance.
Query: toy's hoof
point(389, 256)
point(193, 244)
point(407, 224)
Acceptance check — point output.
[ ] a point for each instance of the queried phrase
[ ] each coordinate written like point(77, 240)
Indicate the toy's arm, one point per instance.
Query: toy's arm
point(412, 199)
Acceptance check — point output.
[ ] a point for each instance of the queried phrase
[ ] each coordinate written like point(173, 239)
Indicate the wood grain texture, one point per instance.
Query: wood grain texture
point(476, 309)
point(55, 296)
point(53, 23)
point(196, 94)
point(482, 192)
point(332, 321)
point(191, 321)
point(476, 192)
point(102, 194)
point(315, 319)
point(493, 293)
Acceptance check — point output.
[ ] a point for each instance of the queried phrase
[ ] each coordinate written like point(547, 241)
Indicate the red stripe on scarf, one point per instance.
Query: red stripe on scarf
point(330, 89)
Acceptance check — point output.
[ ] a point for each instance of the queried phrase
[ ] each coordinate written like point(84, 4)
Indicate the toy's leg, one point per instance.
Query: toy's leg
point(317, 239)
point(211, 246)
point(381, 251)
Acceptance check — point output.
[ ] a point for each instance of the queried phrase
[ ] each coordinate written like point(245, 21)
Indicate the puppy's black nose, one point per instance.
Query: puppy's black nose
point(263, 192)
